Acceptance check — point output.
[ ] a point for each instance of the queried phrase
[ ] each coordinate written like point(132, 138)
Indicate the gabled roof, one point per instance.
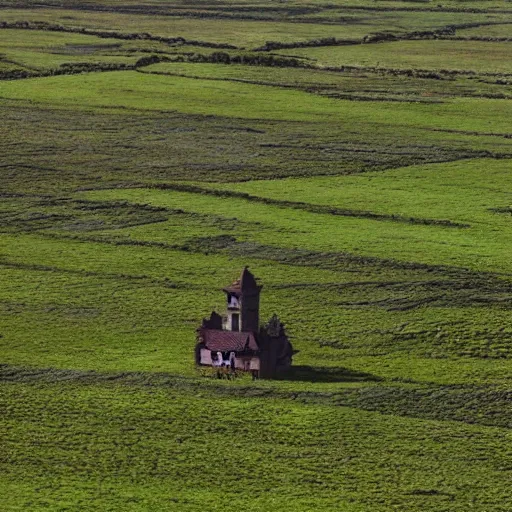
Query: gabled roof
point(246, 283)
point(227, 341)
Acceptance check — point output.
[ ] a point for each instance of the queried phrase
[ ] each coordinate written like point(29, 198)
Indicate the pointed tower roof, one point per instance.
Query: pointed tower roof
point(246, 283)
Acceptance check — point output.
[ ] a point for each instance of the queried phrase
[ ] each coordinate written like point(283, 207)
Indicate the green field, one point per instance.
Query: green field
point(48, 50)
point(462, 56)
point(150, 150)
point(248, 26)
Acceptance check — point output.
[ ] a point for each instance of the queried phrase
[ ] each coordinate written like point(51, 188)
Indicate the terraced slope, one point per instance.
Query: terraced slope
point(355, 155)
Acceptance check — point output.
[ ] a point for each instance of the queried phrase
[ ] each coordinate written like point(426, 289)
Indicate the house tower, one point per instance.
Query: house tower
point(243, 304)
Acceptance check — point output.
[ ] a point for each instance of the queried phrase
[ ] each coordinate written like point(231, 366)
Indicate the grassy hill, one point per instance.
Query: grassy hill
point(356, 156)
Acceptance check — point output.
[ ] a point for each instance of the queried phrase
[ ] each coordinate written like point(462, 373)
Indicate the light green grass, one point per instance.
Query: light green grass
point(342, 23)
point(464, 191)
point(356, 84)
point(482, 246)
point(477, 56)
point(240, 33)
point(47, 41)
point(504, 30)
point(113, 296)
point(150, 92)
point(48, 50)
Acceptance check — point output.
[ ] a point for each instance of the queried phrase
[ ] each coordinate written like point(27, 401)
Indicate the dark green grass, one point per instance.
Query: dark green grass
point(153, 147)
point(84, 447)
point(158, 444)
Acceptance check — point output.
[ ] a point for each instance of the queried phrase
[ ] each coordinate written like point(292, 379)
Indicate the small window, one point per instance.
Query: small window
point(233, 301)
point(235, 322)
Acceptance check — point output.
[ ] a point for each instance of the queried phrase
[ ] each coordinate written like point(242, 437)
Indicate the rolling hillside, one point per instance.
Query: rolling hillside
point(356, 155)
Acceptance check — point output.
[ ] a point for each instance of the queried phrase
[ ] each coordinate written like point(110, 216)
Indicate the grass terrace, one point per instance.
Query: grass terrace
point(151, 150)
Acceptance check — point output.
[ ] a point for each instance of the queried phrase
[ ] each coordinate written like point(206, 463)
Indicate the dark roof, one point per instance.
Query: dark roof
point(246, 282)
point(225, 341)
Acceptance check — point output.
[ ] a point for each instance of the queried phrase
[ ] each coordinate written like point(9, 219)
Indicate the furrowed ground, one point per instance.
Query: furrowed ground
point(357, 156)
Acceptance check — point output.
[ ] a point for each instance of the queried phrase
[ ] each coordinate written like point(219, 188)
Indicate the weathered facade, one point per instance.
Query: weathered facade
point(237, 341)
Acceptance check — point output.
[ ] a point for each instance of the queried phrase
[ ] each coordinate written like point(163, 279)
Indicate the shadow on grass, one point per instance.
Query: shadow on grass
point(326, 374)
